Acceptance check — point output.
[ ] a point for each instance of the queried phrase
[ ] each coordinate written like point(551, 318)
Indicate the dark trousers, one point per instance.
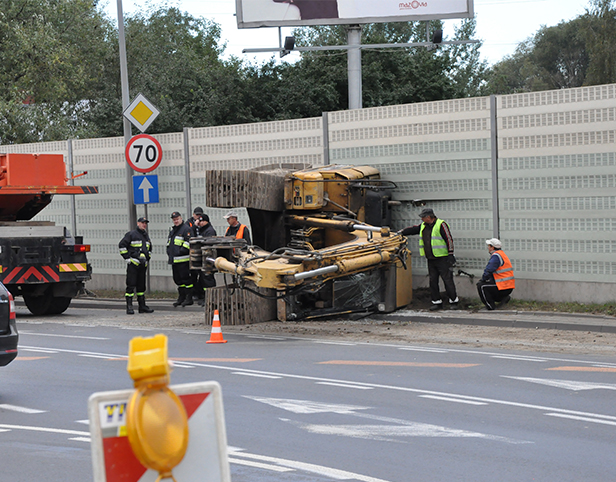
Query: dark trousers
point(490, 294)
point(135, 279)
point(201, 281)
point(439, 268)
point(181, 275)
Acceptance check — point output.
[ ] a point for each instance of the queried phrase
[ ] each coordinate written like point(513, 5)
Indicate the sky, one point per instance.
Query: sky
point(501, 24)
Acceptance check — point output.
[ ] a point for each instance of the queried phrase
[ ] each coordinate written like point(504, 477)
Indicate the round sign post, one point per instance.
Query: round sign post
point(143, 153)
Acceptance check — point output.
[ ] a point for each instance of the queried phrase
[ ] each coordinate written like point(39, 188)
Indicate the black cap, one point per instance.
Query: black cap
point(198, 210)
point(427, 212)
point(143, 220)
point(175, 214)
point(205, 217)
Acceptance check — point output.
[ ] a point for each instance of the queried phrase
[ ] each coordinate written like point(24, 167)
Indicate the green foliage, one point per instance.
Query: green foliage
point(570, 54)
point(47, 72)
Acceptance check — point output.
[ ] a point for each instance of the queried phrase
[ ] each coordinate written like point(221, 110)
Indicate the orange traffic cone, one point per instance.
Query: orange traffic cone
point(216, 336)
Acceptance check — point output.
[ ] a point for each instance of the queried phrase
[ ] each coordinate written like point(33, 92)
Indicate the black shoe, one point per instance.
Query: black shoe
point(436, 307)
point(201, 302)
point(504, 301)
point(188, 301)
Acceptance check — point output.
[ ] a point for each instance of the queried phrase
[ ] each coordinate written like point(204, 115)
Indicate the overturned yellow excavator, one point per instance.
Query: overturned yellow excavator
point(322, 242)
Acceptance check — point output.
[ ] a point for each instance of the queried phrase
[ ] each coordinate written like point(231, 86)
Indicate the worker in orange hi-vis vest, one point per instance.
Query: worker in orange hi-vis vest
point(235, 229)
point(498, 281)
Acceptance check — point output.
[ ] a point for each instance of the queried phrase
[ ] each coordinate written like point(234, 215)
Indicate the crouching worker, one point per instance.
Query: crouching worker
point(136, 249)
point(497, 282)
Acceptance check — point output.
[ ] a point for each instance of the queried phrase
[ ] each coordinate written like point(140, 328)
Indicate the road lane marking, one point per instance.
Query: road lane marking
point(31, 358)
point(33, 333)
point(312, 468)
point(519, 358)
point(344, 385)
point(428, 350)
point(448, 399)
point(81, 439)
point(449, 350)
point(85, 422)
point(341, 343)
point(265, 337)
point(508, 403)
point(582, 419)
point(307, 406)
point(104, 357)
point(38, 350)
point(236, 360)
point(398, 364)
point(584, 369)
point(44, 429)
point(257, 375)
point(567, 384)
point(15, 408)
point(386, 433)
point(259, 465)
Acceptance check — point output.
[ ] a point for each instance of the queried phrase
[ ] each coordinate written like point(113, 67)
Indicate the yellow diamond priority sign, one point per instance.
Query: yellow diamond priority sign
point(141, 112)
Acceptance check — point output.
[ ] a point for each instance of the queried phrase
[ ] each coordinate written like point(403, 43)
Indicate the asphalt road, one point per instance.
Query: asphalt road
point(308, 410)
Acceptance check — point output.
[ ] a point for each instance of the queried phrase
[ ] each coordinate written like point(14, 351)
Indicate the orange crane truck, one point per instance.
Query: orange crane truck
point(40, 261)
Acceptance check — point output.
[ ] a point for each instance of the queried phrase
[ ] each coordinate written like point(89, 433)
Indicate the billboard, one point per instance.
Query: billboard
point(295, 13)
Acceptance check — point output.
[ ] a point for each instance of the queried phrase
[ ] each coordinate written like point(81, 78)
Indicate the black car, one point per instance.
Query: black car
point(8, 329)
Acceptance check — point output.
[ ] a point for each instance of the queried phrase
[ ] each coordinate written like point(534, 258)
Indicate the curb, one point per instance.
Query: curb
point(512, 319)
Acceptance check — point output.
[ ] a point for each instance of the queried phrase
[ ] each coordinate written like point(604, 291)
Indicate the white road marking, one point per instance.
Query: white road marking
point(519, 358)
point(44, 429)
point(4, 430)
point(85, 422)
point(33, 333)
point(508, 403)
point(259, 465)
point(16, 408)
point(567, 384)
point(81, 439)
point(312, 468)
point(341, 343)
point(104, 357)
point(257, 375)
point(386, 433)
point(583, 419)
point(306, 406)
point(265, 337)
point(448, 399)
point(344, 385)
point(428, 350)
point(37, 350)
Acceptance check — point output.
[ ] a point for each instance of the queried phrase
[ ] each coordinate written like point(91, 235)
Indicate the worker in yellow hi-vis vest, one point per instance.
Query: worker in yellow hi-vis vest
point(436, 244)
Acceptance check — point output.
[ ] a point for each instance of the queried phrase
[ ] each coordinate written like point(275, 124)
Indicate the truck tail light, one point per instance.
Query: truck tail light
point(81, 248)
point(11, 307)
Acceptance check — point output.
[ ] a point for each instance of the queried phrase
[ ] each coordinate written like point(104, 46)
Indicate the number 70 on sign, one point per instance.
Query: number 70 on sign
point(143, 153)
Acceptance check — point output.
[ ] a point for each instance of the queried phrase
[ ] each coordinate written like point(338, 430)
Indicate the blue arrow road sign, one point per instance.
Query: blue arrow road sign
point(145, 189)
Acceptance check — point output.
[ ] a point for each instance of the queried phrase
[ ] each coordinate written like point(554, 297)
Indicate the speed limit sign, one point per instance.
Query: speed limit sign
point(143, 153)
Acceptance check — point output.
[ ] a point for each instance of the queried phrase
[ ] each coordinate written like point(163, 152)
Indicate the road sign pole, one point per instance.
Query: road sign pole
point(132, 209)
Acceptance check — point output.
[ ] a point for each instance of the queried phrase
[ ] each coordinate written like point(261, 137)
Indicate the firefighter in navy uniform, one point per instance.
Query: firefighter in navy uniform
point(236, 229)
point(178, 251)
point(202, 281)
point(197, 213)
point(136, 249)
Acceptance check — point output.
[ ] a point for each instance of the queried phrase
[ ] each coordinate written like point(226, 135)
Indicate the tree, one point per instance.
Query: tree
point(599, 32)
point(570, 54)
point(47, 73)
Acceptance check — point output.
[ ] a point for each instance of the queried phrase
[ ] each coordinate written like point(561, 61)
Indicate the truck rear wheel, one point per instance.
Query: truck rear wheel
point(59, 305)
point(38, 305)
